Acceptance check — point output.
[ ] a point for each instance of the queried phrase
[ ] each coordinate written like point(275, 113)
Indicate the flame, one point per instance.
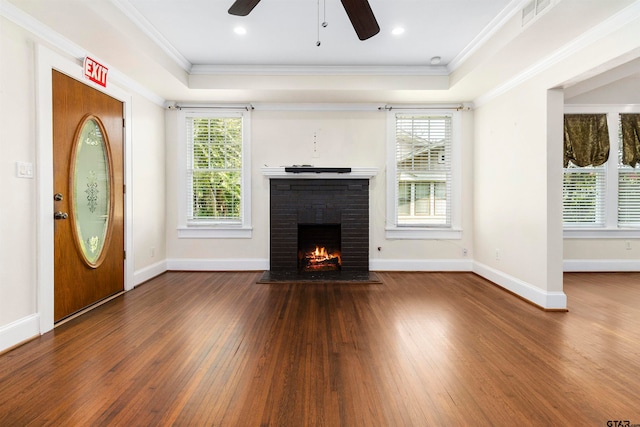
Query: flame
point(320, 255)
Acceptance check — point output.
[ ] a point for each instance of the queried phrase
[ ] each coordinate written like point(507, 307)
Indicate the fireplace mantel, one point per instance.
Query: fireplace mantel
point(356, 173)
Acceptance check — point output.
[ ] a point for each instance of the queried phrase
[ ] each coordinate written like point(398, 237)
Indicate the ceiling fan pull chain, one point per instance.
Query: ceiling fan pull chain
point(324, 14)
point(359, 12)
point(318, 43)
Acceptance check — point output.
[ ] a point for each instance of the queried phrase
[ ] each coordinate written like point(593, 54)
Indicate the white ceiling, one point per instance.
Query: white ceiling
point(285, 32)
point(186, 50)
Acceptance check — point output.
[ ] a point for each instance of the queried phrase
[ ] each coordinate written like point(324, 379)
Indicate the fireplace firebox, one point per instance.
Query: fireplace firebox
point(319, 248)
point(319, 229)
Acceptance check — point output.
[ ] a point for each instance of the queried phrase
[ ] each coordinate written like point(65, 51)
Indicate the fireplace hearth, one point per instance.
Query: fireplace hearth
point(319, 231)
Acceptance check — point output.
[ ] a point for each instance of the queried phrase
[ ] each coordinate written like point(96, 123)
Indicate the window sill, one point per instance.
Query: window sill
point(601, 233)
point(422, 233)
point(210, 232)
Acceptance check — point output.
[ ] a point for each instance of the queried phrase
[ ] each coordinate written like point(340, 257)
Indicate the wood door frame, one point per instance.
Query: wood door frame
point(47, 61)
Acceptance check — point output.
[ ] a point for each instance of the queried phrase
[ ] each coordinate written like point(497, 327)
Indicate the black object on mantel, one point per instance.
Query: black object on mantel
point(313, 169)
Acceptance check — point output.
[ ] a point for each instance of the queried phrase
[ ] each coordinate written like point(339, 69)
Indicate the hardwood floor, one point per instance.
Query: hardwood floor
point(421, 349)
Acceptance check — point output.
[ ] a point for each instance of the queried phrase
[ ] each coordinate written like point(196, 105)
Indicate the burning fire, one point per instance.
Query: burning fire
point(320, 253)
point(321, 259)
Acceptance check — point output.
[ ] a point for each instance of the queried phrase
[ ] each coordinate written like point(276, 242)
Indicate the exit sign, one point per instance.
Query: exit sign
point(95, 71)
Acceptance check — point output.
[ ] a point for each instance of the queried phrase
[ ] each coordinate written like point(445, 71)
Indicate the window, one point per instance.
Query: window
point(216, 174)
point(583, 196)
point(599, 201)
point(423, 195)
point(586, 151)
point(629, 196)
point(422, 199)
point(629, 171)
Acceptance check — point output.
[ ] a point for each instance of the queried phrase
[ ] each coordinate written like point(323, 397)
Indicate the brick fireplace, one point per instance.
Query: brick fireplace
point(310, 213)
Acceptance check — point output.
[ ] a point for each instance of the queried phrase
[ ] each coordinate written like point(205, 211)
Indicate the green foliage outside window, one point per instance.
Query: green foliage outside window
point(579, 198)
point(217, 168)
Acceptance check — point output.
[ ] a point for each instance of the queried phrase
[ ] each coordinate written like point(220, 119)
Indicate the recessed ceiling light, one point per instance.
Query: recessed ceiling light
point(397, 31)
point(435, 60)
point(240, 30)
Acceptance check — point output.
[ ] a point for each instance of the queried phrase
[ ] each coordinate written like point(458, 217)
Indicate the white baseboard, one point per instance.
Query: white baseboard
point(600, 265)
point(420, 265)
point(19, 331)
point(235, 264)
point(254, 264)
point(542, 298)
point(545, 299)
point(149, 272)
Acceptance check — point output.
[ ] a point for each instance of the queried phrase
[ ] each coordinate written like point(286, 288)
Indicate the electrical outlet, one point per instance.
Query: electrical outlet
point(497, 254)
point(153, 252)
point(465, 252)
point(627, 245)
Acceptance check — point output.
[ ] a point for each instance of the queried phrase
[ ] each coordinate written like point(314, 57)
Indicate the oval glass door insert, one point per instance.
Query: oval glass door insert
point(91, 190)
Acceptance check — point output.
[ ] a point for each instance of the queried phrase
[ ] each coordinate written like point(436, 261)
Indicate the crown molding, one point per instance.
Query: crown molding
point(141, 22)
point(320, 70)
point(489, 31)
point(66, 46)
point(615, 22)
point(29, 23)
point(601, 108)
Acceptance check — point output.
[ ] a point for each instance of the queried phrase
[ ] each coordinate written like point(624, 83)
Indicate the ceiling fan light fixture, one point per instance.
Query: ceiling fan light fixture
point(397, 31)
point(242, 7)
point(362, 18)
point(359, 12)
point(241, 31)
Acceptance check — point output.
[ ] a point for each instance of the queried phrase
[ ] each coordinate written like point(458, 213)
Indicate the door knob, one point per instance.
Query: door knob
point(57, 197)
point(60, 215)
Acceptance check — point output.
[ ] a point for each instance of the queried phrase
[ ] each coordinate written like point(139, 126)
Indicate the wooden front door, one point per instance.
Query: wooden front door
point(88, 195)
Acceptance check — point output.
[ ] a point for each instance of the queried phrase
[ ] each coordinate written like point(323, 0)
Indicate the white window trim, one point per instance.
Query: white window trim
point(454, 231)
point(611, 230)
point(214, 229)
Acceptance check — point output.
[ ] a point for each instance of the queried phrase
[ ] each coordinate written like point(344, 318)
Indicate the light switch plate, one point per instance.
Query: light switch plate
point(24, 169)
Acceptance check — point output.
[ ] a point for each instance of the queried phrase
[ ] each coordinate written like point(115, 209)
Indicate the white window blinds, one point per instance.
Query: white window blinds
point(583, 196)
point(628, 170)
point(628, 197)
point(423, 170)
point(214, 169)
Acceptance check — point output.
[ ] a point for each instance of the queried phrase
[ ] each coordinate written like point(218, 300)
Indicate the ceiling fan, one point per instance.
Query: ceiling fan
point(358, 11)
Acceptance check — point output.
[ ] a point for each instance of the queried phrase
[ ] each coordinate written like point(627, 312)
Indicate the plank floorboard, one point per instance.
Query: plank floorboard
point(420, 349)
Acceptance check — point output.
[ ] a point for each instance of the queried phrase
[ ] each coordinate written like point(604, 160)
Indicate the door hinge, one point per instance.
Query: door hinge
point(124, 123)
point(125, 254)
point(124, 188)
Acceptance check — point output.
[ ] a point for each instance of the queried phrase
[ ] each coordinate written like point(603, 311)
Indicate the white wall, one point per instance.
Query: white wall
point(511, 207)
point(18, 207)
point(344, 138)
point(149, 183)
point(23, 281)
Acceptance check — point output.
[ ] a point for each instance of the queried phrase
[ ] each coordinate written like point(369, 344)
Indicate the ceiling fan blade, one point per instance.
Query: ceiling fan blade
point(242, 7)
point(361, 17)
